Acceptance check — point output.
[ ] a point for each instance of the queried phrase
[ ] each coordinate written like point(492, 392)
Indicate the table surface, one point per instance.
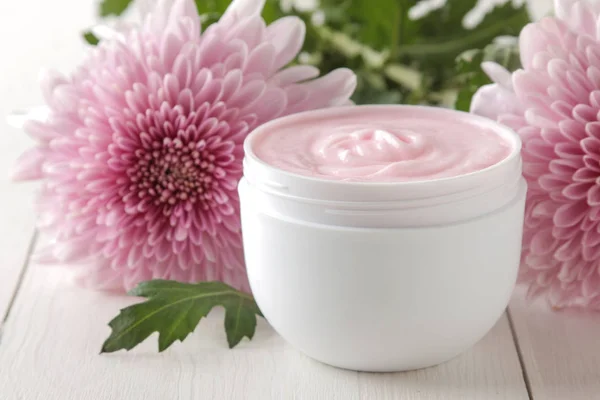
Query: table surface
point(52, 331)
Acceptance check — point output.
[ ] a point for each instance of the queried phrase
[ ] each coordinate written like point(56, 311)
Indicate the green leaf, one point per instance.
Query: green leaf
point(272, 11)
point(91, 38)
point(473, 77)
point(379, 25)
point(113, 7)
point(211, 10)
point(379, 38)
point(174, 310)
point(442, 34)
point(470, 76)
point(351, 48)
point(404, 76)
point(212, 6)
point(367, 96)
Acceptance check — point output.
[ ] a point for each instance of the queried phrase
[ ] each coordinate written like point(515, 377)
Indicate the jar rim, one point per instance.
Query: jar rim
point(280, 179)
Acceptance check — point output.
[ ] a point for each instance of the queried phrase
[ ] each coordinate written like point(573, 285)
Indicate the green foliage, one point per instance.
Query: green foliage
point(174, 310)
point(90, 38)
point(113, 7)
point(470, 76)
point(397, 59)
point(210, 10)
point(426, 47)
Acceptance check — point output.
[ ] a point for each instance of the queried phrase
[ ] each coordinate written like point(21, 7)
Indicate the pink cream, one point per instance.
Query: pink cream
point(382, 146)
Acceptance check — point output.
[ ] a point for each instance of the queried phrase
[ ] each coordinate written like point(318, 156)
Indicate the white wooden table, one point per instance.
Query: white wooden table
point(51, 331)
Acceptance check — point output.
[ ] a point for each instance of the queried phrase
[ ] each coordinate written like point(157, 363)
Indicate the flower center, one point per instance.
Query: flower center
point(173, 172)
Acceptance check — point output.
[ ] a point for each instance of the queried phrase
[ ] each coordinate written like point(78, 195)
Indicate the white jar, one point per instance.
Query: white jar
point(382, 276)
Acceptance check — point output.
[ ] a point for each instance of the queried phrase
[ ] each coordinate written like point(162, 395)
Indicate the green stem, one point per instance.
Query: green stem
point(397, 30)
point(455, 46)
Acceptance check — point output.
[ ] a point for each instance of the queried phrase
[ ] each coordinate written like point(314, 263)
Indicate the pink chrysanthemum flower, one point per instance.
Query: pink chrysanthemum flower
point(553, 102)
point(141, 152)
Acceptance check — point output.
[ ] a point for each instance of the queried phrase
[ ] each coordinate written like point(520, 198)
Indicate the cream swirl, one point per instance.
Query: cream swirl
point(387, 150)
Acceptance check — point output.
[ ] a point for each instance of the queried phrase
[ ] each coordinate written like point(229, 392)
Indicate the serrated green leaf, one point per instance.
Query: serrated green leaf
point(155, 287)
point(90, 38)
point(113, 7)
point(239, 322)
point(174, 310)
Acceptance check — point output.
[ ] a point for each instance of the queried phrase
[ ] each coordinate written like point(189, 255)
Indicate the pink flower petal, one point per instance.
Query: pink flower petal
point(241, 8)
point(261, 60)
point(593, 196)
point(330, 90)
point(543, 242)
point(272, 104)
point(593, 129)
point(578, 15)
point(576, 191)
point(486, 100)
point(29, 165)
point(585, 175)
point(294, 74)
point(287, 36)
point(591, 285)
point(569, 250)
point(570, 214)
point(551, 183)
point(591, 146)
point(531, 40)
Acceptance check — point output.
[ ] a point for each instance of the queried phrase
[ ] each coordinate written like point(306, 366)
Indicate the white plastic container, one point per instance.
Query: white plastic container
point(382, 276)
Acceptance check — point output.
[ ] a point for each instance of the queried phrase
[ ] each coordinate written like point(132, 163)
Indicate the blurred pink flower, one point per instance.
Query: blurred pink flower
point(141, 152)
point(553, 102)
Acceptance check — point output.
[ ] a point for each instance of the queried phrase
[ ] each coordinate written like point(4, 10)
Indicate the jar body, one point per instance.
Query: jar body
point(381, 299)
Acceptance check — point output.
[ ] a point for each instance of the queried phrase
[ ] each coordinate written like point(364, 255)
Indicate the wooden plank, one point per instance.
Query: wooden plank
point(560, 350)
point(16, 205)
point(490, 370)
point(16, 234)
point(16, 217)
point(51, 347)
